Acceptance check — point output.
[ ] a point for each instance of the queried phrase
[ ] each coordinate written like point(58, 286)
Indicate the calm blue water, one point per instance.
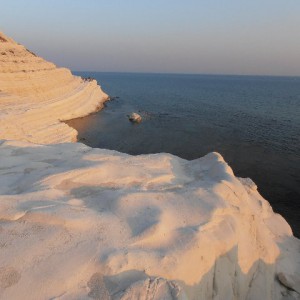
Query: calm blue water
point(254, 122)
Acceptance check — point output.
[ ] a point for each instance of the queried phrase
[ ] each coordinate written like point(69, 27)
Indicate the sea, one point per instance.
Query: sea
point(252, 121)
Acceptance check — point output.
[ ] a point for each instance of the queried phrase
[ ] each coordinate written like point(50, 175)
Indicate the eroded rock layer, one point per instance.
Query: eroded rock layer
point(35, 96)
point(83, 223)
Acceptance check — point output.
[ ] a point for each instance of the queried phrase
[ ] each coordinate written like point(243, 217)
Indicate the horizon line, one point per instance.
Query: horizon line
point(186, 73)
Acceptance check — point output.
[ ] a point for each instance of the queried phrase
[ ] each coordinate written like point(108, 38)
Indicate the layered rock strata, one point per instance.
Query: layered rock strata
point(83, 223)
point(36, 96)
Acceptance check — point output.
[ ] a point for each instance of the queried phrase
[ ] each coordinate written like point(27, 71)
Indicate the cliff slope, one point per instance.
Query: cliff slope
point(35, 96)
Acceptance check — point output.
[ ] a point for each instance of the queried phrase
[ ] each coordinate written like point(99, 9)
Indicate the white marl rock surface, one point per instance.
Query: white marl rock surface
point(35, 96)
point(83, 223)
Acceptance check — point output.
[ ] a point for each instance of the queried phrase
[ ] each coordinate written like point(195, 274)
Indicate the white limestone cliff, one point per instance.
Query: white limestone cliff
point(35, 96)
point(83, 223)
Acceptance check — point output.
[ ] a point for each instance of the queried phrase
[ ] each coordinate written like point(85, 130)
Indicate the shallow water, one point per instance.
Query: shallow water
point(254, 122)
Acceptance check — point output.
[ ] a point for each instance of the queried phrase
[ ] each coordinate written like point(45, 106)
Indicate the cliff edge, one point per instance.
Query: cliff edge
point(83, 223)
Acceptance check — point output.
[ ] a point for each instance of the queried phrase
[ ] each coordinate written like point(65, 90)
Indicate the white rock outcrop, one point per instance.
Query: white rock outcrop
point(82, 223)
point(35, 96)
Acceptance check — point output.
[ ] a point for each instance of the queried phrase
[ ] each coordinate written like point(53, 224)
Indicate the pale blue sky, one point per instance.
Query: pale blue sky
point(193, 36)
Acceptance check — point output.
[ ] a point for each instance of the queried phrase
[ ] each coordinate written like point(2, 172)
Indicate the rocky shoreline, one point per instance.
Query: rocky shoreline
point(84, 223)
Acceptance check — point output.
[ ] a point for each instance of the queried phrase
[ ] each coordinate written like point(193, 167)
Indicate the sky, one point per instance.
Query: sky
point(257, 37)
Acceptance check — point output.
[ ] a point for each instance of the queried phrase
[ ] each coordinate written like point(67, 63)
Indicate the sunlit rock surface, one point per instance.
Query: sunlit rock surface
point(83, 223)
point(35, 96)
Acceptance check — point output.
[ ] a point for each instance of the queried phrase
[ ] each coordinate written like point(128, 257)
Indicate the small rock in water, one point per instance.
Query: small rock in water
point(111, 98)
point(135, 118)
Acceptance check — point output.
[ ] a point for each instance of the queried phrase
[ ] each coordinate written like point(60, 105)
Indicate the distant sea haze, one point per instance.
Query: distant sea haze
point(254, 122)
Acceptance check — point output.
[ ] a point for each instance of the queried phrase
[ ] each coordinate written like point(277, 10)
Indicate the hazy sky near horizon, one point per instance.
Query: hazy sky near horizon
point(258, 37)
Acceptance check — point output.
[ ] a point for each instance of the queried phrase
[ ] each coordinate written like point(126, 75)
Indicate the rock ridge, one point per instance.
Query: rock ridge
point(36, 96)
